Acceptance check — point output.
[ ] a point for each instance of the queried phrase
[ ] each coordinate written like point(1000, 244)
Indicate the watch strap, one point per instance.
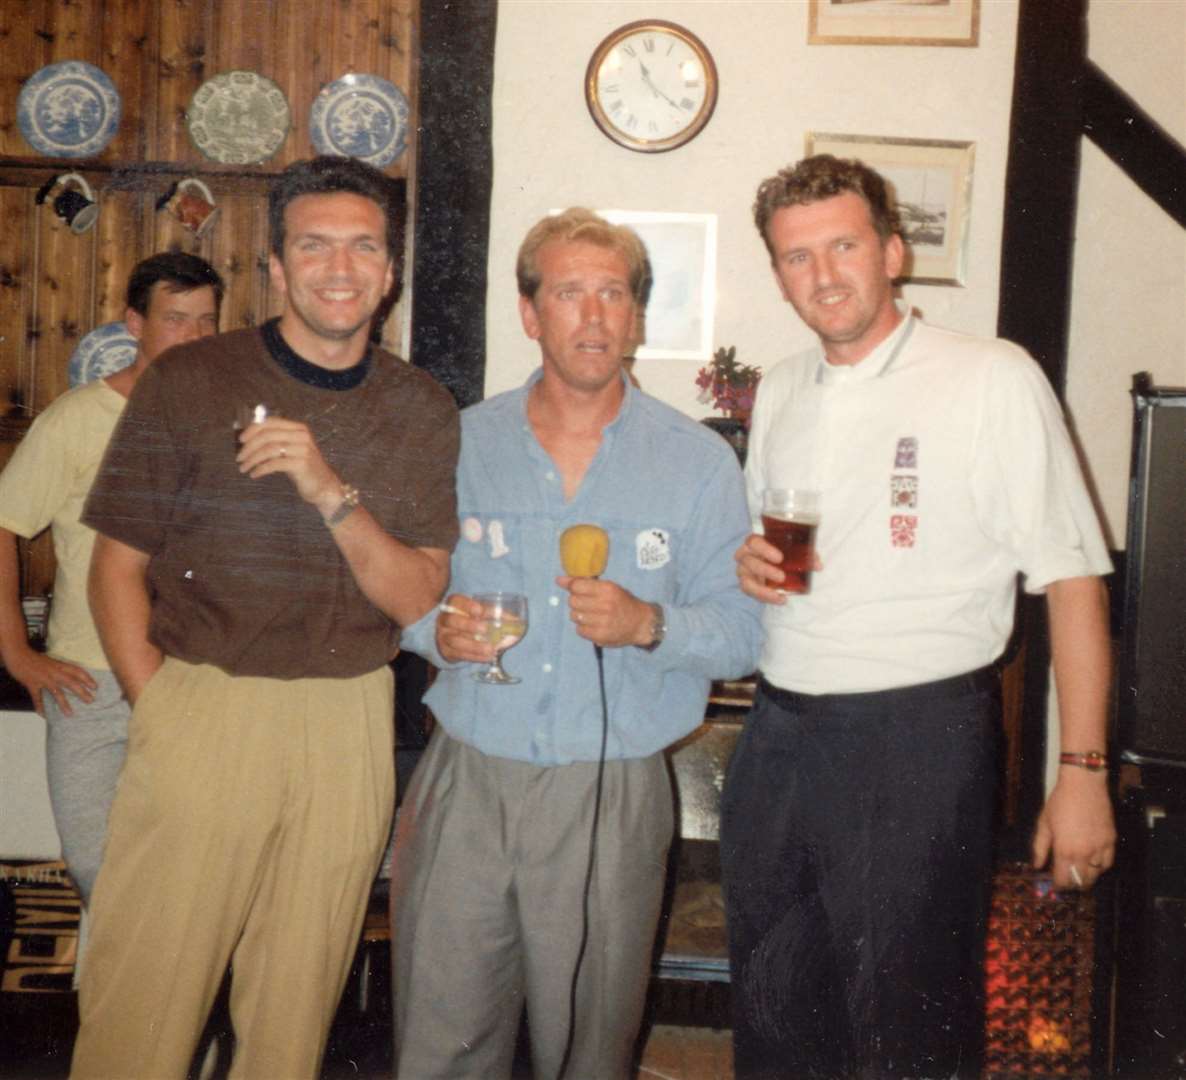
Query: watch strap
point(1091, 760)
point(658, 627)
point(346, 507)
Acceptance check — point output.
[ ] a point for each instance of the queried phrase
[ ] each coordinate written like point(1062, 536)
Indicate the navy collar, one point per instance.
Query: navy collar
point(312, 374)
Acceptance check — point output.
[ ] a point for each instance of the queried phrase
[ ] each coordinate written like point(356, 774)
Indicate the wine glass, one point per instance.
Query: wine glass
point(505, 615)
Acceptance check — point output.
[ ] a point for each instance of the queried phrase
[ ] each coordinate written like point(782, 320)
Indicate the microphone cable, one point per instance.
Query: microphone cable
point(576, 971)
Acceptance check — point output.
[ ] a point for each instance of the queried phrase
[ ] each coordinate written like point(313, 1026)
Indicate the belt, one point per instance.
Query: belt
point(899, 697)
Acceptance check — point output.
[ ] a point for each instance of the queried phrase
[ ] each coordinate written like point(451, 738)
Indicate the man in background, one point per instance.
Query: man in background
point(275, 505)
point(856, 833)
point(493, 847)
point(172, 298)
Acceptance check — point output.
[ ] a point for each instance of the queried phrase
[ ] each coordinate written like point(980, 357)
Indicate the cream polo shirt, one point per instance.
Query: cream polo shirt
point(46, 484)
point(945, 469)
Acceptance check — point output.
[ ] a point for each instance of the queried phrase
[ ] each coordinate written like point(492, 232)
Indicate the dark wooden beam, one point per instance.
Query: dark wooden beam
point(453, 179)
point(1042, 180)
point(1147, 153)
point(1037, 249)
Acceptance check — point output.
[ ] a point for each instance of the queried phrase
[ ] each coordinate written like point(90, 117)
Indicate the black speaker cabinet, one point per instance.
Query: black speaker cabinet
point(1151, 700)
point(1150, 1000)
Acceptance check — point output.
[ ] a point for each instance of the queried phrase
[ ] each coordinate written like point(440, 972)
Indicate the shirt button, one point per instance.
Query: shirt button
point(554, 600)
point(550, 475)
point(547, 667)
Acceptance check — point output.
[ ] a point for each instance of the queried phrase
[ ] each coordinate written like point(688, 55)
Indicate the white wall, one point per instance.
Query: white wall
point(774, 89)
point(1128, 309)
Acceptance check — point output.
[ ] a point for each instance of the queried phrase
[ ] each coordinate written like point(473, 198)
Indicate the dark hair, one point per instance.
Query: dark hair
point(577, 223)
point(328, 175)
point(821, 177)
point(180, 273)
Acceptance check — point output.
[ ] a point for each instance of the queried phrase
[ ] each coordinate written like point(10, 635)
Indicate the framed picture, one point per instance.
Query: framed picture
point(893, 22)
point(682, 249)
point(931, 182)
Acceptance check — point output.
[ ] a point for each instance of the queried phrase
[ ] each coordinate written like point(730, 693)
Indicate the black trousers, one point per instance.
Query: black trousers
point(856, 847)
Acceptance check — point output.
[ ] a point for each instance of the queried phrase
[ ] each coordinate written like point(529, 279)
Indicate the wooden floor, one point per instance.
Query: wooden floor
point(684, 1053)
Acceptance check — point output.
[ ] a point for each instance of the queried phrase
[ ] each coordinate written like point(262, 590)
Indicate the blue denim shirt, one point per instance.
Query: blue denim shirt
point(670, 494)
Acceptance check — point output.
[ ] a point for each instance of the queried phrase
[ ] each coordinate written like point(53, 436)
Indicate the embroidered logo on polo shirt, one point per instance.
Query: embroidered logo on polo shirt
point(904, 492)
point(903, 529)
point(652, 548)
point(907, 453)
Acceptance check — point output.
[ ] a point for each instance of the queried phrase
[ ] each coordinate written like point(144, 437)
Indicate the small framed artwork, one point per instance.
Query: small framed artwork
point(931, 182)
point(682, 249)
point(893, 22)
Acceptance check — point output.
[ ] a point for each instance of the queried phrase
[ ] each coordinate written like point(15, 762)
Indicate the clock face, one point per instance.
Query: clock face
point(651, 86)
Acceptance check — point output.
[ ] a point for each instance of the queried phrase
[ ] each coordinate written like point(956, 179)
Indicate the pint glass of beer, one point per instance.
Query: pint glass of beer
point(790, 517)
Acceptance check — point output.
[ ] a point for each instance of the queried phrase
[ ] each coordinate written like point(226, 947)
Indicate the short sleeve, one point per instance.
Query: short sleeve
point(432, 511)
point(36, 481)
point(1030, 492)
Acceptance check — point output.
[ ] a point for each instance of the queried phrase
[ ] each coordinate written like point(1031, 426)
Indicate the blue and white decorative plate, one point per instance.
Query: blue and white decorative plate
point(69, 110)
point(238, 118)
point(102, 352)
point(360, 116)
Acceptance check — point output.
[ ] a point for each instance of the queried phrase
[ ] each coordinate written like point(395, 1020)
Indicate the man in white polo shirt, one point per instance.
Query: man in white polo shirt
point(856, 827)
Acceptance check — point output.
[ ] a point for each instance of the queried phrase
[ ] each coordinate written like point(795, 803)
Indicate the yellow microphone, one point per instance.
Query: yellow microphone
point(584, 550)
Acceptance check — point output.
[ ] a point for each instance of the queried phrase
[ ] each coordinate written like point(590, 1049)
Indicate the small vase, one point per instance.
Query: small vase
point(733, 431)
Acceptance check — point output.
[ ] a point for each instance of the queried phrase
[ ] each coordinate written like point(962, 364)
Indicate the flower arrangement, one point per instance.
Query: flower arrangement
point(730, 386)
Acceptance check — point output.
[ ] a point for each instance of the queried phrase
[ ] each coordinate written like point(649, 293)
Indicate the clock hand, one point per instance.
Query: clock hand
point(646, 78)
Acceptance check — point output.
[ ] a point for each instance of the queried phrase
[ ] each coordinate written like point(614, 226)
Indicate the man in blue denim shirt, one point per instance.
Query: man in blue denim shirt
point(494, 834)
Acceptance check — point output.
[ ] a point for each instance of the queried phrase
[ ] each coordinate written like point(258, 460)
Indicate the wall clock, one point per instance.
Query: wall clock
point(651, 85)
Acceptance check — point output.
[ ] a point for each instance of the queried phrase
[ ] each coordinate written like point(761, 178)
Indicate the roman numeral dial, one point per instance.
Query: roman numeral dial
point(651, 86)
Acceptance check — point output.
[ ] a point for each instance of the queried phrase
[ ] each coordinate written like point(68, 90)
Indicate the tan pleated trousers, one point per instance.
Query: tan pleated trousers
point(248, 826)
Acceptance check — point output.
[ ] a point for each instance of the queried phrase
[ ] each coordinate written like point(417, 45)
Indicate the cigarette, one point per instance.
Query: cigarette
point(1076, 877)
point(449, 609)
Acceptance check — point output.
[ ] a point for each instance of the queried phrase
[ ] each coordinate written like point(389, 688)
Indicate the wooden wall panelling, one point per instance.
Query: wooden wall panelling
point(119, 246)
point(126, 30)
point(63, 302)
point(239, 40)
point(239, 254)
point(302, 66)
point(182, 65)
point(74, 28)
point(16, 281)
point(24, 53)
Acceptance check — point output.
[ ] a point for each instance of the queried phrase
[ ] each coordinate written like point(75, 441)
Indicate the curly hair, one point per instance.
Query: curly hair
point(821, 177)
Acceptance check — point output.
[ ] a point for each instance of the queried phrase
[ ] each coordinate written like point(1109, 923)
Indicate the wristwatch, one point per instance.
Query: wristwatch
point(658, 628)
point(346, 507)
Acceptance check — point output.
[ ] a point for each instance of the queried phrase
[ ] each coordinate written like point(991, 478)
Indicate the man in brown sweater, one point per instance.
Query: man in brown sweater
point(249, 585)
